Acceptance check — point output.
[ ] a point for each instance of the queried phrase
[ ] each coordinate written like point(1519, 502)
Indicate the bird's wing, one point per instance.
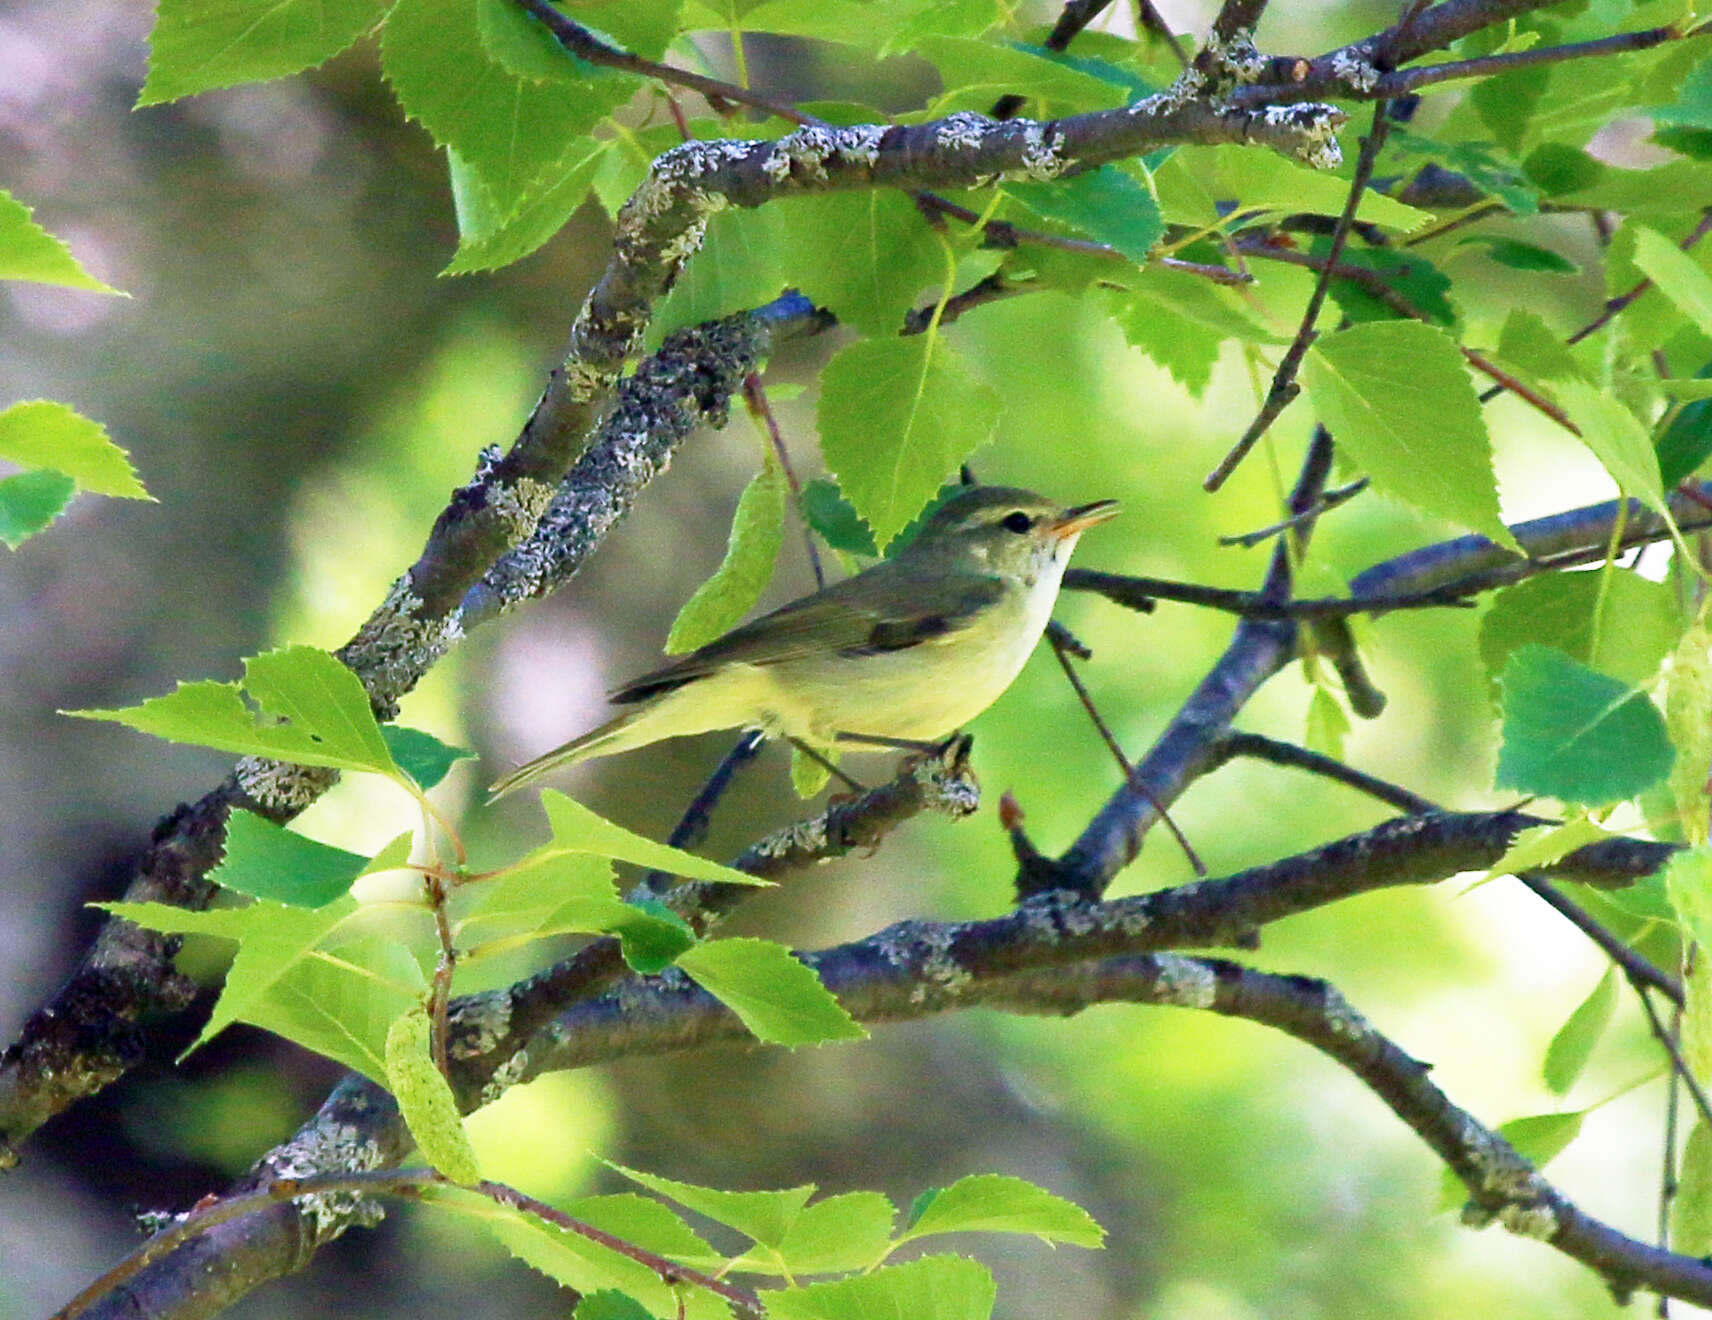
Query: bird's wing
point(829, 621)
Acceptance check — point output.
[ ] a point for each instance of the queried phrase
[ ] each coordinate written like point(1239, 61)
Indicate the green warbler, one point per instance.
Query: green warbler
point(905, 652)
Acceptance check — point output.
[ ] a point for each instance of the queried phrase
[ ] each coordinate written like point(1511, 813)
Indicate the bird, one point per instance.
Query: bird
point(901, 654)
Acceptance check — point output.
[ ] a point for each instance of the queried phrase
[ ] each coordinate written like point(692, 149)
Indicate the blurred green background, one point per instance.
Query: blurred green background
point(300, 391)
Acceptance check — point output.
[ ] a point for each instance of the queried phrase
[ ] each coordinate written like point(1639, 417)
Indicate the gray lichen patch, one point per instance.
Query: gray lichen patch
point(396, 646)
point(1354, 66)
point(1185, 982)
point(504, 1077)
point(1311, 132)
point(326, 1148)
point(478, 1023)
point(282, 785)
point(1537, 1221)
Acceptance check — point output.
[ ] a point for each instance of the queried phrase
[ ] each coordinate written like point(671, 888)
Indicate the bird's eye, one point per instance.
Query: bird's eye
point(1018, 522)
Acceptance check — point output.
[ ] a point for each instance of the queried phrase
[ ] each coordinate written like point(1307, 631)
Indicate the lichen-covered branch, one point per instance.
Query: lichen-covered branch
point(1052, 954)
point(87, 1035)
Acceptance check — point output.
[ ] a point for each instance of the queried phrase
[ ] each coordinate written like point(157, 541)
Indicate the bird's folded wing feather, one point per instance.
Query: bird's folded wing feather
point(830, 621)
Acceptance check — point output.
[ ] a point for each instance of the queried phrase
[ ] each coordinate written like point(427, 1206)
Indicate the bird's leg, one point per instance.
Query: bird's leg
point(919, 751)
point(814, 755)
point(900, 744)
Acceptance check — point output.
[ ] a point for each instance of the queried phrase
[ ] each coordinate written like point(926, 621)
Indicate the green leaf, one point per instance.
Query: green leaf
point(1693, 104)
point(1327, 725)
point(1688, 884)
point(764, 1216)
point(425, 1098)
point(1423, 285)
point(808, 775)
point(555, 891)
point(330, 720)
point(652, 936)
point(576, 829)
point(1398, 401)
point(421, 755)
point(266, 860)
point(897, 416)
point(835, 519)
point(1572, 1046)
point(976, 72)
point(738, 266)
point(319, 695)
point(1687, 442)
point(1524, 256)
point(1262, 182)
point(995, 1203)
point(863, 255)
point(642, 27)
point(1559, 169)
point(609, 1305)
point(1538, 1138)
point(515, 133)
point(394, 857)
point(30, 501)
point(29, 252)
point(1688, 718)
point(848, 1232)
point(940, 1287)
point(1575, 734)
point(198, 45)
point(487, 241)
point(290, 976)
point(757, 531)
point(1617, 439)
point(40, 433)
point(1661, 190)
point(1691, 1210)
point(1180, 321)
point(1526, 341)
point(1492, 171)
point(1639, 620)
point(776, 996)
point(1106, 205)
point(1677, 275)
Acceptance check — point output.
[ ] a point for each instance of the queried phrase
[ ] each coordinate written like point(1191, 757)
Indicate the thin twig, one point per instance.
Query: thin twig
point(440, 989)
point(1403, 81)
point(1062, 648)
point(1217, 274)
point(1618, 304)
point(1296, 757)
point(582, 43)
point(755, 397)
point(1678, 1064)
point(1284, 384)
point(993, 288)
point(1639, 970)
point(1667, 1175)
point(1140, 593)
point(1330, 500)
point(1149, 19)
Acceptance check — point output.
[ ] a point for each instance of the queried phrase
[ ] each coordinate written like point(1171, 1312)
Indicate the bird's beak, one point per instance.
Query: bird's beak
point(1073, 522)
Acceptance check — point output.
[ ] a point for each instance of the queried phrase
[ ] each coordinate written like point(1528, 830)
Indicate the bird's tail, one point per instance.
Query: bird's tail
point(605, 740)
